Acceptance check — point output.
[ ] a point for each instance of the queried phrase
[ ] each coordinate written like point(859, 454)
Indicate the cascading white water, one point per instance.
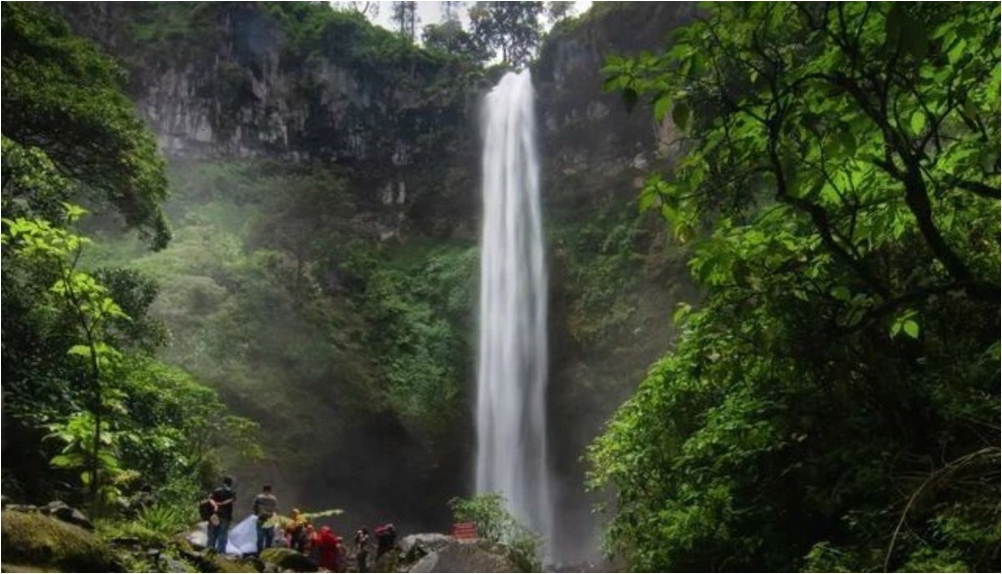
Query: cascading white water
point(511, 377)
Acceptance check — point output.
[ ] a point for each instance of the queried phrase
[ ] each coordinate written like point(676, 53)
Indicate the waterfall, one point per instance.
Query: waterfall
point(511, 375)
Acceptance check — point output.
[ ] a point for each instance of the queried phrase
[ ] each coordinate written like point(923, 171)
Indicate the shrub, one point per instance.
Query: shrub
point(495, 524)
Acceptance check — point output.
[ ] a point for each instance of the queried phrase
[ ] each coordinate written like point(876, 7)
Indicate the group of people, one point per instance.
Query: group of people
point(322, 545)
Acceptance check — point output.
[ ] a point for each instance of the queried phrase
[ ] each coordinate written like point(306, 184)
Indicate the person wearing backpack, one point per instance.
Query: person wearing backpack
point(206, 508)
point(265, 506)
point(219, 522)
point(386, 537)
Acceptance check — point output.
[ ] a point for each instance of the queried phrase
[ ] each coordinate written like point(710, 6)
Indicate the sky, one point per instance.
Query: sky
point(431, 13)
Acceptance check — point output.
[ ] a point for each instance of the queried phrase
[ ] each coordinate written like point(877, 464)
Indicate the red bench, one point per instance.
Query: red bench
point(464, 531)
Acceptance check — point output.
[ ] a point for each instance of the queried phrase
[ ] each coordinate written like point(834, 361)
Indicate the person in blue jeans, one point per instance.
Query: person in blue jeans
point(219, 523)
point(265, 506)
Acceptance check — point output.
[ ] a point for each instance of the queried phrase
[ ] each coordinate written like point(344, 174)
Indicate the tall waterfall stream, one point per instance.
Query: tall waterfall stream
point(512, 367)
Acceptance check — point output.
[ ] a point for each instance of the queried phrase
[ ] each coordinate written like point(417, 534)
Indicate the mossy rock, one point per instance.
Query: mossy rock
point(285, 559)
point(222, 563)
point(36, 541)
point(387, 562)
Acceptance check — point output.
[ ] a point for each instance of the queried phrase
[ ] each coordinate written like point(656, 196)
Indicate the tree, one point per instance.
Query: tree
point(557, 11)
point(511, 27)
point(489, 511)
point(828, 405)
point(450, 11)
point(63, 99)
point(405, 15)
point(90, 308)
point(450, 38)
point(368, 9)
point(77, 343)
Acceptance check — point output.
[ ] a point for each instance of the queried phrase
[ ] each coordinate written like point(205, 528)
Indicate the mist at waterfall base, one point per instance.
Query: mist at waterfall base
point(511, 408)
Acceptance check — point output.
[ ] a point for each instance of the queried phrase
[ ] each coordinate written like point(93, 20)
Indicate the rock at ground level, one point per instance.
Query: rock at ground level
point(66, 513)
point(466, 556)
point(226, 563)
point(388, 562)
point(287, 559)
point(31, 539)
point(414, 546)
point(56, 509)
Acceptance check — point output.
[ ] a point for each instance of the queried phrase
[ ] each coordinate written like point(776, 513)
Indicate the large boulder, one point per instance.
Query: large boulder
point(31, 539)
point(415, 546)
point(461, 556)
point(62, 511)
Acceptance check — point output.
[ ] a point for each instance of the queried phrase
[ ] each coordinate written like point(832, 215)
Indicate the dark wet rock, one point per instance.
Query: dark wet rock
point(415, 546)
point(426, 563)
point(388, 562)
point(227, 563)
point(126, 541)
point(62, 511)
point(171, 564)
point(466, 556)
point(286, 559)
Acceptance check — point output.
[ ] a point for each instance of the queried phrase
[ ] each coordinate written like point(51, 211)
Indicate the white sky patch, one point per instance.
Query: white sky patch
point(433, 13)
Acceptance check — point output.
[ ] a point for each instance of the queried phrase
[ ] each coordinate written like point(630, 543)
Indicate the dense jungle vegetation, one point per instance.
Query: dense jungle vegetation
point(130, 343)
point(82, 392)
point(263, 284)
point(830, 401)
point(833, 402)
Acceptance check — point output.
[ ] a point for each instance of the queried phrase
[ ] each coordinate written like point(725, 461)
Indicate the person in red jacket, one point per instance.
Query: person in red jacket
point(327, 545)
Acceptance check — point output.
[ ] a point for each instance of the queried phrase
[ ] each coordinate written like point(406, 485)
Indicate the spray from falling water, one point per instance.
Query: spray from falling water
point(511, 377)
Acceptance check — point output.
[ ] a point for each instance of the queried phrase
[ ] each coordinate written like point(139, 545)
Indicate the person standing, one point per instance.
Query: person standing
point(362, 549)
point(327, 544)
point(219, 523)
point(295, 530)
point(265, 506)
point(386, 537)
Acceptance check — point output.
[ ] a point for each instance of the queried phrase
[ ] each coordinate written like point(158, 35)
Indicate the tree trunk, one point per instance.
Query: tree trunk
point(95, 497)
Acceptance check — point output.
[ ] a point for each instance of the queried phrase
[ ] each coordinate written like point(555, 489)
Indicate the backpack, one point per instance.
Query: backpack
point(206, 509)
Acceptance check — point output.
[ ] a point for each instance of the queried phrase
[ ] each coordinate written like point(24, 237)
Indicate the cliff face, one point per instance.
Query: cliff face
point(223, 82)
point(616, 274)
point(585, 130)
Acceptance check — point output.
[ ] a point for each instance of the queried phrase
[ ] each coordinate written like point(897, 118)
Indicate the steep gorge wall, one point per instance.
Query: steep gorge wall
point(244, 80)
point(617, 275)
point(266, 110)
point(402, 125)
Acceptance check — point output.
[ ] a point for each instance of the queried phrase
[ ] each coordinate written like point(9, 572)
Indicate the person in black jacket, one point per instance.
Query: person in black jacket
point(219, 523)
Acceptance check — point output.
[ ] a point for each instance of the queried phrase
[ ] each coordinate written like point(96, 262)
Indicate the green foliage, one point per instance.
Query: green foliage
point(495, 524)
point(417, 308)
point(829, 405)
point(511, 27)
point(164, 518)
point(67, 118)
point(603, 263)
point(450, 38)
point(244, 293)
point(89, 308)
point(136, 421)
point(271, 298)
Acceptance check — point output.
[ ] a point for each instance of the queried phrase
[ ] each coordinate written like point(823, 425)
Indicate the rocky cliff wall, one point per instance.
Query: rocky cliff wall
point(616, 274)
point(298, 82)
point(403, 125)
